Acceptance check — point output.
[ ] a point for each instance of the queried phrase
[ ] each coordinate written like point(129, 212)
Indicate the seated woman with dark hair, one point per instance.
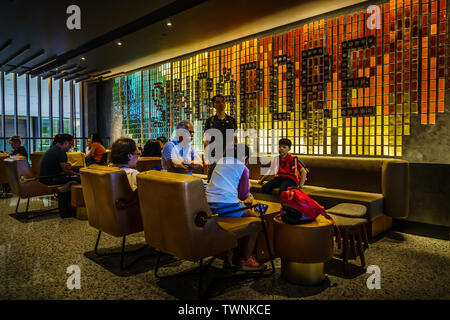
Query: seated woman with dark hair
point(124, 155)
point(152, 149)
point(96, 151)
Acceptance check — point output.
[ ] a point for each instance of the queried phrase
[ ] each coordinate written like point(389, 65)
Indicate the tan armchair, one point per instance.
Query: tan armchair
point(147, 163)
point(112, 206)
point(25, 185)
point(177, 219)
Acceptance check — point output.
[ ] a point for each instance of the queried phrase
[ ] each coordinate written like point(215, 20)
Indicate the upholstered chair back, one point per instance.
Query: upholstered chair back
point(147, 163)
point(112, 206)
point(35, 158)
point(170, 204)
point(22, 181)
point(3, 175)
point(76, 159)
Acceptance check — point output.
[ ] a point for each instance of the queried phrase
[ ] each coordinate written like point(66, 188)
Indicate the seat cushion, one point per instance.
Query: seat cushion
point(201, 176)
point(346, 222)
point(240, 227)
point(256, 187)
point(331, 197)
point(351, 210)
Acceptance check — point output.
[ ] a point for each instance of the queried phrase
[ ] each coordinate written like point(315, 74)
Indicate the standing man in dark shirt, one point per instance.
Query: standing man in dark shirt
point(53, 168)
point(222, 122)
point(15, 143)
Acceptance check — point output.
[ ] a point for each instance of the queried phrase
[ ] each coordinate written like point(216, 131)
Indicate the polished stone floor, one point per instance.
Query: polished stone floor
point(35, 256)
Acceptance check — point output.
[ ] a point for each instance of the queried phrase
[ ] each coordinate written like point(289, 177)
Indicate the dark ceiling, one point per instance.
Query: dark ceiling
point(28, 27)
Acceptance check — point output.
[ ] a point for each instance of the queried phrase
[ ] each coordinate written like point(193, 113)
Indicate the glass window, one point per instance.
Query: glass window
point(55, 101)
point(66, 107)
point(2, 141)
point(45, 107)
point(34, 128)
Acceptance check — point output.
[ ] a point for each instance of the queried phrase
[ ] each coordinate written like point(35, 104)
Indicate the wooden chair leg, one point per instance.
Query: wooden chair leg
point(359, 247)
point(352, 243)
point(345, 251)
point(364, 233)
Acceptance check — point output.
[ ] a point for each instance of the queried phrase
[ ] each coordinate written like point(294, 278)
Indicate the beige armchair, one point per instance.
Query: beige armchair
point(112, 206)
point(25, 185)
point(177, 219)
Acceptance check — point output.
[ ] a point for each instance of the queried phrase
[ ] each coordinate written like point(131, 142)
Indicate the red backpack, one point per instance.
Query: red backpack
point(296, 200)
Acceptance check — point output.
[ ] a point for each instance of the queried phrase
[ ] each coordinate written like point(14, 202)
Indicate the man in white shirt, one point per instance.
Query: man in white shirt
point(178, 155)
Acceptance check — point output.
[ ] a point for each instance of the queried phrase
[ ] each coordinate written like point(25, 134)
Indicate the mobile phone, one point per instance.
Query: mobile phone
point(263, 207)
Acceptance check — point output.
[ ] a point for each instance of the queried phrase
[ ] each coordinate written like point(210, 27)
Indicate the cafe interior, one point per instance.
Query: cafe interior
point(360, 89)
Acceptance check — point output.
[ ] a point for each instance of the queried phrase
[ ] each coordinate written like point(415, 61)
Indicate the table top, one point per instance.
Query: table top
point(321, 221)
point(273, 207)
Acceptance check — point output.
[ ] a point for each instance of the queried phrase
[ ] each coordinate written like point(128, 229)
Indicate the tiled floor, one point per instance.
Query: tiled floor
point(35, 255)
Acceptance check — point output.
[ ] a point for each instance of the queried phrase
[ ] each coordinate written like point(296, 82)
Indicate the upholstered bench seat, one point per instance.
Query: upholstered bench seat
point(331, 197)
point(350, 210)
point(239, 227)
point(256, 188)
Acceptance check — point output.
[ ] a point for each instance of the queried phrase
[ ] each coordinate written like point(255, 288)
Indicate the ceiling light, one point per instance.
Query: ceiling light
point(169, 24)
point(119, 43)
point(83, 58)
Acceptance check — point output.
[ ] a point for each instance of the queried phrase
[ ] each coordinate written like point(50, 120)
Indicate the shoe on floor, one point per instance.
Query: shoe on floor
point(251, 265)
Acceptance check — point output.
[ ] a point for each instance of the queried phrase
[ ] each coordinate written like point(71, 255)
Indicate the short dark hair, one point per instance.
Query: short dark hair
point(61, 138)
point(152, 149)
point(162, 139)
point(96, 138)
point(15, 139)
point(285, 142)
point(120, 150)
point(183, 124)
point(235, 152)
point(217, 96)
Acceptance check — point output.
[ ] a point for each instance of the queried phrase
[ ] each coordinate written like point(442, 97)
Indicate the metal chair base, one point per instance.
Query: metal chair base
point(122, 253)
point(258, 274)
point(33, 214)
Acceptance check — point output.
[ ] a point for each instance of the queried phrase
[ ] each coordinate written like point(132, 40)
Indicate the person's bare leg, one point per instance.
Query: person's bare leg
point(247, 244)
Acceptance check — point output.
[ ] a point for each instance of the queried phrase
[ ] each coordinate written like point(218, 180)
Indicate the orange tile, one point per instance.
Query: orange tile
point(423, 119)
point(432, 118)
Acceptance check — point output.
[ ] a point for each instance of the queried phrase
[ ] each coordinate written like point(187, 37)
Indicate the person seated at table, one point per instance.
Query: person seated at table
point(178, 155)
point(230, 183)
point(96, 150)
point(152, 149)
point(18, 149)
point(125, 154)
point(53, 167)
point(284, 167)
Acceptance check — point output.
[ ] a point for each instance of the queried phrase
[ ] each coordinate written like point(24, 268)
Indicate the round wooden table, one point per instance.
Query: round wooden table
point(303, 249)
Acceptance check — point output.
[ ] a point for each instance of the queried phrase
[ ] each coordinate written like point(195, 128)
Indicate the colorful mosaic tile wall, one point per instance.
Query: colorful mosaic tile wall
point(336, 86)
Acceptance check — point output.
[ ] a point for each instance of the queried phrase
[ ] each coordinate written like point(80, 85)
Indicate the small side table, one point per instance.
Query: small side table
point(304, 249)
point(353, 231)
